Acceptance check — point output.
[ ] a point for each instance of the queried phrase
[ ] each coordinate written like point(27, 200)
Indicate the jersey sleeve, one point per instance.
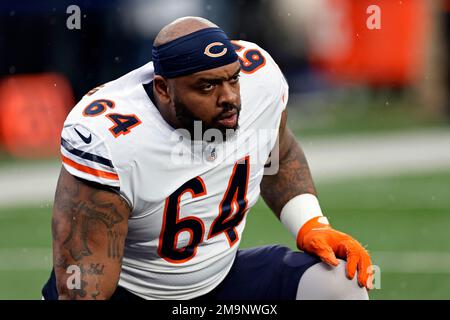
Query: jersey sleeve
point(267, 76)
point(281, 93)
point(284, 95)
point(85, 155)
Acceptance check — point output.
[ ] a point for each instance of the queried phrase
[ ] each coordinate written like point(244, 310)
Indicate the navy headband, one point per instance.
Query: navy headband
point(201, 50)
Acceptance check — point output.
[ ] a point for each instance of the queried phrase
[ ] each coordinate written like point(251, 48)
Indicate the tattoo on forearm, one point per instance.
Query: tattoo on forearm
point(79, 292)
point(77, 241)
point(96, 293)
point(84, 217)
point(113, 244)
point(89, 275)
point(89, 228)
point(94, 269)
point(61, 262)
point(293, 178)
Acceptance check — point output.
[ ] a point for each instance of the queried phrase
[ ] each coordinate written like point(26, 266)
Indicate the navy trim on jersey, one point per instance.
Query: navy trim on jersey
point(97, 185)
point(149, 90)
point(86, 155)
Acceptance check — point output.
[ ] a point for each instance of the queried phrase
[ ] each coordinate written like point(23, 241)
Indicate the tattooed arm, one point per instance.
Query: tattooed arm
point(89, 227)
point(293, 177)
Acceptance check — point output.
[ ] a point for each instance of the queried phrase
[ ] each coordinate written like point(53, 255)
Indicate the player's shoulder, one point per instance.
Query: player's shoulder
point(260, 74)
point(105, 124)
point(256, 61)
point(121, 102)
point(96, 141)
point(109, 113)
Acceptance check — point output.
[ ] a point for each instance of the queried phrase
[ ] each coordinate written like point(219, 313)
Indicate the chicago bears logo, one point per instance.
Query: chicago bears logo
point(215, 55)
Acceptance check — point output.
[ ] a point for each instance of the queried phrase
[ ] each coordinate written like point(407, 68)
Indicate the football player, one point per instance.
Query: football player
point(160, 170)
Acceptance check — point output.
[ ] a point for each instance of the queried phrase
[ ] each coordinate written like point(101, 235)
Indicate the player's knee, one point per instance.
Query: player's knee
point(324, 282)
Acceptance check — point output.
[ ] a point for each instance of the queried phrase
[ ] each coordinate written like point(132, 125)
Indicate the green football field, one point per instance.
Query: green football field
point(404, 221)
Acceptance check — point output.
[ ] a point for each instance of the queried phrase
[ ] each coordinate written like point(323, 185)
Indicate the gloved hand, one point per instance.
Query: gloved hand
point(317, 237)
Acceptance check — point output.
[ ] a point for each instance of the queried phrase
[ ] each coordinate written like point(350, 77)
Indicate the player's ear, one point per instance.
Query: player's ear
point(161, 89)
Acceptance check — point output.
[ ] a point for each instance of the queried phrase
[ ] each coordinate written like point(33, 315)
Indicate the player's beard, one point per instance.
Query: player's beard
point(188, 119)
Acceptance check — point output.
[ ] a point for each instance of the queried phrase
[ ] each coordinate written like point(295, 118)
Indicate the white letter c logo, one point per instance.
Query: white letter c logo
point(215, 55)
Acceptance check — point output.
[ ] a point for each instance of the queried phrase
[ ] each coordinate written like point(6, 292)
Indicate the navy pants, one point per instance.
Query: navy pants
point(262, 273)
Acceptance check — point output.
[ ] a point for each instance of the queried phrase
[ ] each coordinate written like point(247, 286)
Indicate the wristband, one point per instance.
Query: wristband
point(299, 210)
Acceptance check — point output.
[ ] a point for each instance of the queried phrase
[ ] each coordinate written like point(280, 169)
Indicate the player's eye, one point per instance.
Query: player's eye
point(235, 78)
point(207, 87)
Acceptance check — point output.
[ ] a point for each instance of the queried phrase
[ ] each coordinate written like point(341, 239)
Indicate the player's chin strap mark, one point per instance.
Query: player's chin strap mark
point(198, 51)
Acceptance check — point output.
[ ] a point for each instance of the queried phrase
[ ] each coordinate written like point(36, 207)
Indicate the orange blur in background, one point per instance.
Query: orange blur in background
point(391, 55)
point(32, 112)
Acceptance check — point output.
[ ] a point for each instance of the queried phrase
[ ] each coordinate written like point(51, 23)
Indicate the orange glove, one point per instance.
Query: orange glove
point(320, 239)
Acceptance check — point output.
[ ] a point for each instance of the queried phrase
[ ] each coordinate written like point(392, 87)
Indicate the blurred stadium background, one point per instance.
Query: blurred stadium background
point(369, 106)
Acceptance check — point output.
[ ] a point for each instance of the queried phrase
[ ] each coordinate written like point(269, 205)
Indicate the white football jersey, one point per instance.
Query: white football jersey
point(189, 200)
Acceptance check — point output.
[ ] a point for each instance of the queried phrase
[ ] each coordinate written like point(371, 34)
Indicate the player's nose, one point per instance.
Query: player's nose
point(229, 95)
